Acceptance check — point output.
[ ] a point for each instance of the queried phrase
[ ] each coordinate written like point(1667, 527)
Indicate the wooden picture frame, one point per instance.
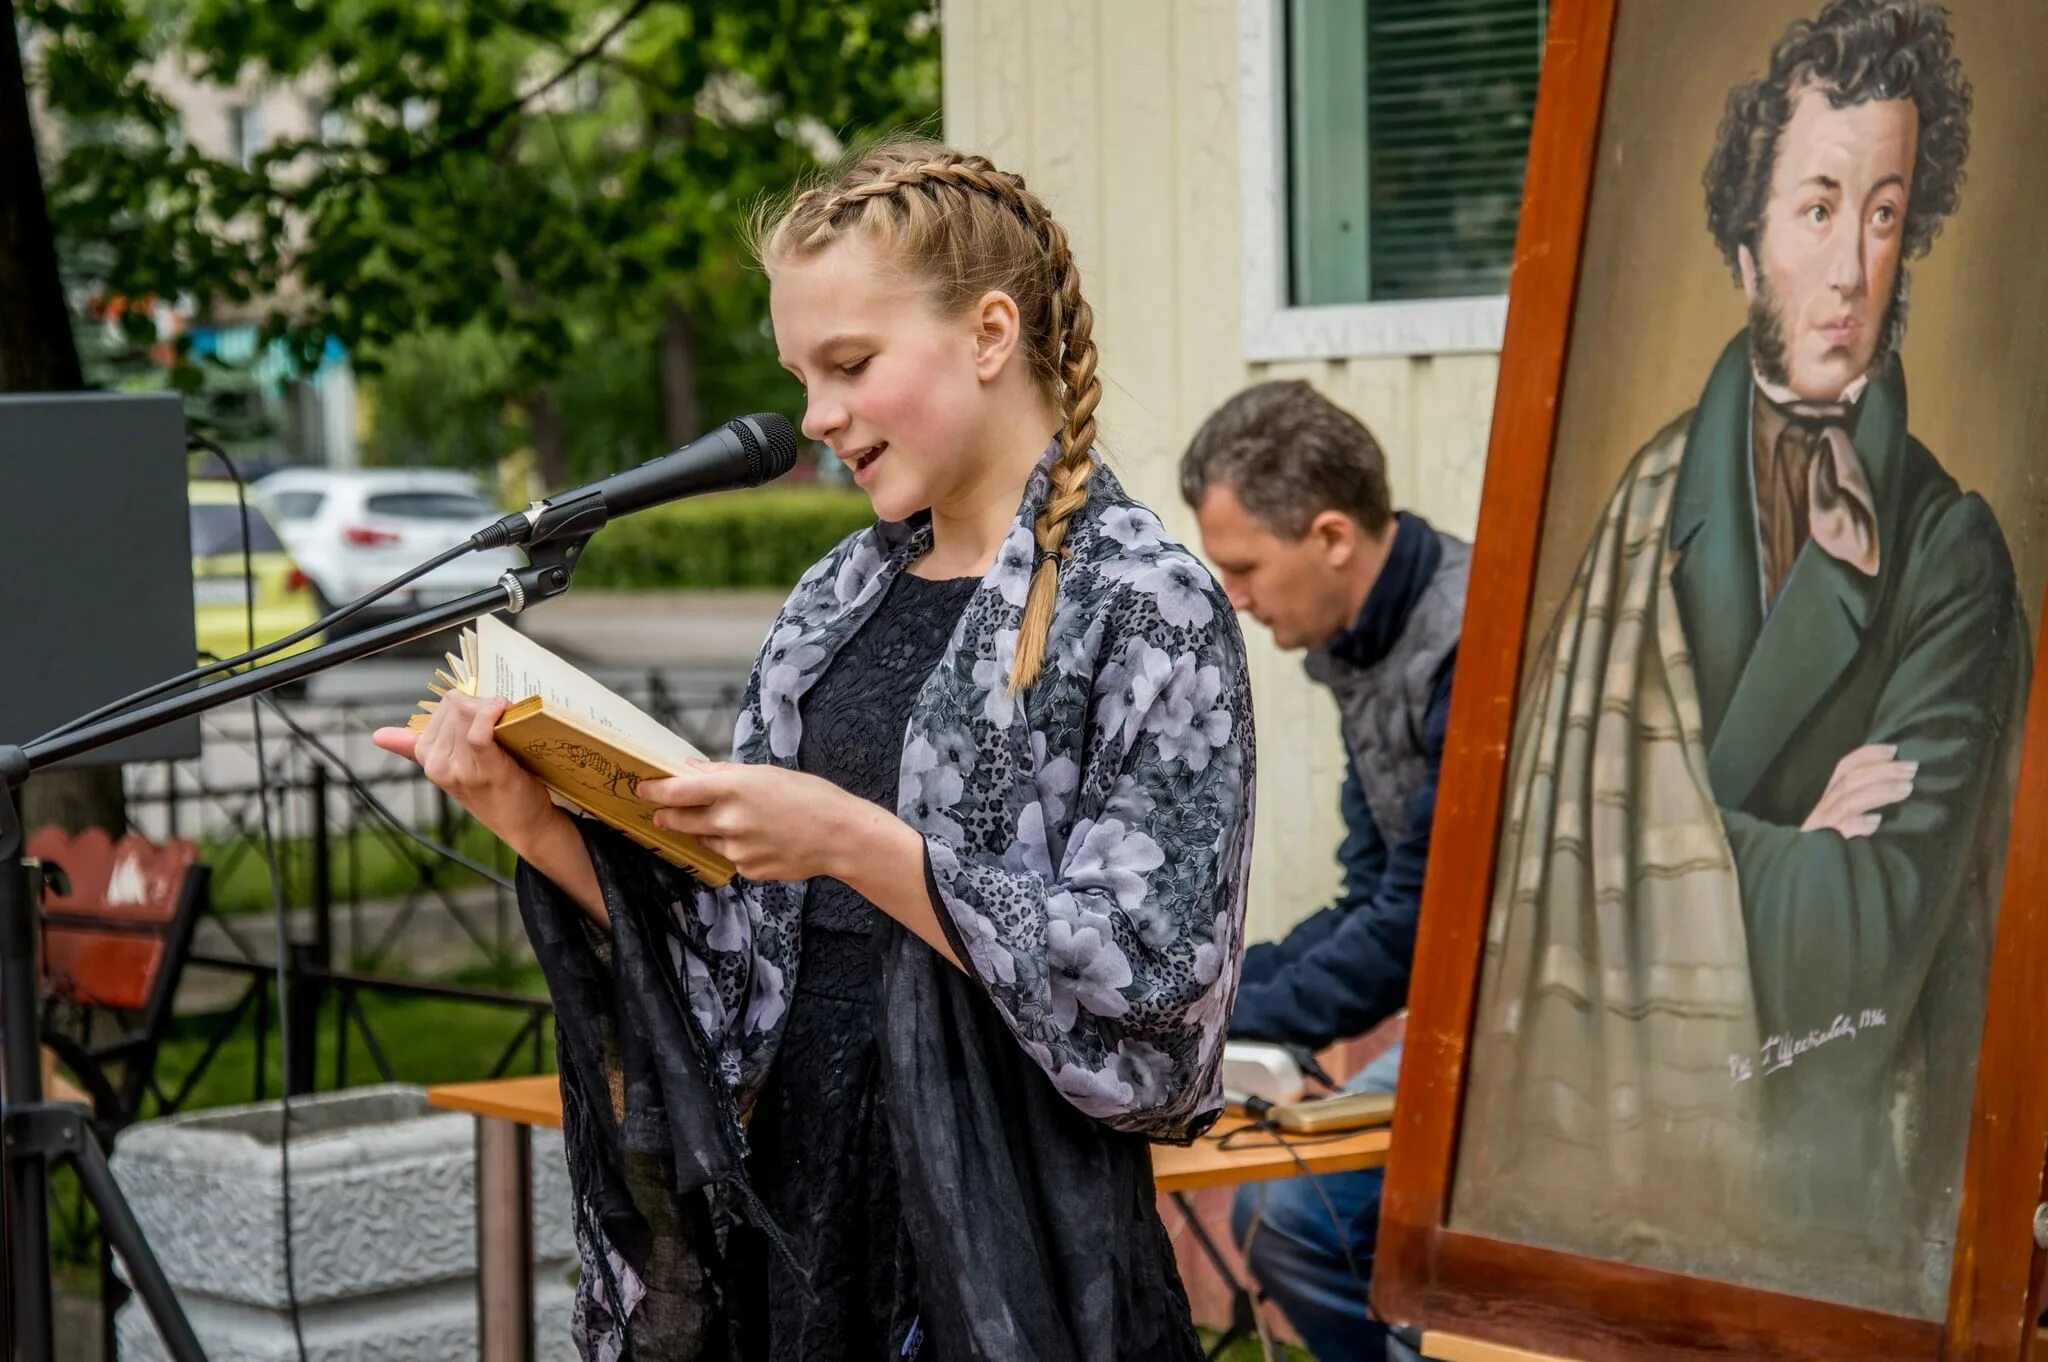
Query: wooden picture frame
point(1430, 1275)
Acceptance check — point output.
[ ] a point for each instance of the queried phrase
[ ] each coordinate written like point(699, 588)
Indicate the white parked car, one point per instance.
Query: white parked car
point(351, 530)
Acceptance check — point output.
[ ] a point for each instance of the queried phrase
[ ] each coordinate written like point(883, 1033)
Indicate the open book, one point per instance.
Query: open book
point(587, 744)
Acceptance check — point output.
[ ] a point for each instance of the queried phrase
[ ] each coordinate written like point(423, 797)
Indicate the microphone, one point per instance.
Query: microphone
point(742, 453)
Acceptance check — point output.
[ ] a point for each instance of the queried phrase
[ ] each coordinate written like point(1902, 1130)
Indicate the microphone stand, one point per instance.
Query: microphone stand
point(39, 1134)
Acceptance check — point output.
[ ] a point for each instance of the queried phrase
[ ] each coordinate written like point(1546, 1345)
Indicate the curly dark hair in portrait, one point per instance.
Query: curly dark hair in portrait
point(1857, 51)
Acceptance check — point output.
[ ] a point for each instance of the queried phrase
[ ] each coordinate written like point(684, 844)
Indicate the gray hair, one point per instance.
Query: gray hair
point(1289, 454)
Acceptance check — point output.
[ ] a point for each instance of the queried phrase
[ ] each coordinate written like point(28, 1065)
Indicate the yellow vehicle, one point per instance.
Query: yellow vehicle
point(284, 596)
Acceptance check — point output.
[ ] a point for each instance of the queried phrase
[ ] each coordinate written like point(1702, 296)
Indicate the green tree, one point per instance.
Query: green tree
point(558, 177)
point(37, 355)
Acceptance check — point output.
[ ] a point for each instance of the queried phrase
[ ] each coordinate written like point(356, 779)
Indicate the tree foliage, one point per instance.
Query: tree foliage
point(552, 176)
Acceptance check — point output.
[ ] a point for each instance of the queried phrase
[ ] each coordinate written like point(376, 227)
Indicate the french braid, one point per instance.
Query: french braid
point(970, 229)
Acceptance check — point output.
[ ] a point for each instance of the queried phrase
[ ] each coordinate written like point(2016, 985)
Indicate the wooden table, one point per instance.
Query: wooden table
point(58, 1088)
point(1452, 1348)
point(507, 1109)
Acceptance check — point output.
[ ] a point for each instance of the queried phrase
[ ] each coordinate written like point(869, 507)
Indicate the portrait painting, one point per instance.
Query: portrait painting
point(1771, 698)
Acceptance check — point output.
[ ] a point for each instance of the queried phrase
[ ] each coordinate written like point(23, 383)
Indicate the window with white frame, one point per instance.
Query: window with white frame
point(334, 124)
point(246, 138)
point(1384, 143)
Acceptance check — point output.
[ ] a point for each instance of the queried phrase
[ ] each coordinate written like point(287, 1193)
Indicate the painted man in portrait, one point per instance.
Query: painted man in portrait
point(1758, 798)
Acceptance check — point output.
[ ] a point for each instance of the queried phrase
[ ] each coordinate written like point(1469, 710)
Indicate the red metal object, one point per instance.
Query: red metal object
point(104, 940)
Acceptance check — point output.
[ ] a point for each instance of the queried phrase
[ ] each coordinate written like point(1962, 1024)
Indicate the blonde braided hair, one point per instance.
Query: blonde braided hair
point(963, 229)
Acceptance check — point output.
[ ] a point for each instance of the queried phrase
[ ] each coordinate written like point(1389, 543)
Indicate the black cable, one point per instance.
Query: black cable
point(378, 806)
point(284, 1028)
point(1262, 1120)
point(1305, 1060)
point(1281, 1137)
point(283, 945)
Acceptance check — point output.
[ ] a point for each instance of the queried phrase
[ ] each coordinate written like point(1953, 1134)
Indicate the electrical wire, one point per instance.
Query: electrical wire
point(376, 805)
point(283, 943)
point(1263, 1121)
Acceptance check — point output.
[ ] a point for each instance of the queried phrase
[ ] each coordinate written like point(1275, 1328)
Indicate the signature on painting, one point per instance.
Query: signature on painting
point(1781, 1050)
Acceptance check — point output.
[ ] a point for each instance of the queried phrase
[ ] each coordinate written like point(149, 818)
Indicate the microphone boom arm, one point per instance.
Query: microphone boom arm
point(39, 1134)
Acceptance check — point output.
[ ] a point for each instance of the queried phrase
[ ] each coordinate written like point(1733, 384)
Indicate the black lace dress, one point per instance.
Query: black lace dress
point(822, 1159)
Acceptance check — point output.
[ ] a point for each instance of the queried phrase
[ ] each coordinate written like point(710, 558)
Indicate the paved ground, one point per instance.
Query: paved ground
point(684, 630)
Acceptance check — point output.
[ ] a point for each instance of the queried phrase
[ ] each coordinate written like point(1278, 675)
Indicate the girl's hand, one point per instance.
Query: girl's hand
point(775, 824)
point(458, 752)
point(771, 823)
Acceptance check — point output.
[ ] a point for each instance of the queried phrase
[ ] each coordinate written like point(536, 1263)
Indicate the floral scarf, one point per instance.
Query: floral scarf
point(1088, 847)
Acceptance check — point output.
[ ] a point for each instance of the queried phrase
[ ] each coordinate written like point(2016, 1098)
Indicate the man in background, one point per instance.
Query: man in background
point(1290, 493)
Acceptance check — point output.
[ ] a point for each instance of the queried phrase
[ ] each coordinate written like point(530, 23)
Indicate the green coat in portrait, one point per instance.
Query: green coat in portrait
point(1707, 1040)
point(1931, 654)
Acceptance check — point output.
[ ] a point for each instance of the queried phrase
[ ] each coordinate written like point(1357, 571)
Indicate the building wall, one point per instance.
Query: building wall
point(289, 111)
point(1124, 114)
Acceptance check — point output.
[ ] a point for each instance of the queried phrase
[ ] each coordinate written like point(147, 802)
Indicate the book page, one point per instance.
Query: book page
point(513, 666)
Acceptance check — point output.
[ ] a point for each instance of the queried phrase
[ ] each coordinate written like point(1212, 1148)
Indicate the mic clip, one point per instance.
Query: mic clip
point(549, 567)
point(573, 517)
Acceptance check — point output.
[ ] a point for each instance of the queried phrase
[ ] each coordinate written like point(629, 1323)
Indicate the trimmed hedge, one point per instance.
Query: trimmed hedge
point(764, 537)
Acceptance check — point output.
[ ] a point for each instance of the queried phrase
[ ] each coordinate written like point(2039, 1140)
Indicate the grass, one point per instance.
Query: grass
point(363, 864)
point(1247, 1350)
point(426, 1041)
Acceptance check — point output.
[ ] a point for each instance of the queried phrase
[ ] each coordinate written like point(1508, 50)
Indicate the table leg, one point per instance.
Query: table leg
point(1243, 1309)
point(504, 1240)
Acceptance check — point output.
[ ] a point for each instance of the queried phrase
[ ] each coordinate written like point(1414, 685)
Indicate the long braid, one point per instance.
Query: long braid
point(927, 185)
point(1080, 393)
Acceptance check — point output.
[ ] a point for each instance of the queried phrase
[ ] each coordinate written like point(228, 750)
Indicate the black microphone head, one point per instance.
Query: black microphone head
point(770, 443)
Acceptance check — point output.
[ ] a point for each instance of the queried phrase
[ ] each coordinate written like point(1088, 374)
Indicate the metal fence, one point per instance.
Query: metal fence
point(337, 804)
